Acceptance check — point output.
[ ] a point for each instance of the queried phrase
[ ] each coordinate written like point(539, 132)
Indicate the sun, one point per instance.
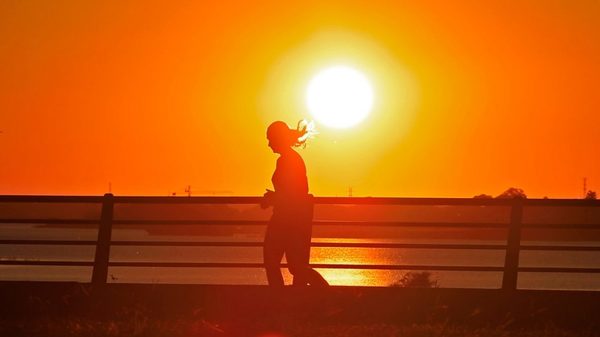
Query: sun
point(339, 97)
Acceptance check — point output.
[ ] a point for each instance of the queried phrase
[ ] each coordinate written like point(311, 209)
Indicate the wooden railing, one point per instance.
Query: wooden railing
point(106, 222)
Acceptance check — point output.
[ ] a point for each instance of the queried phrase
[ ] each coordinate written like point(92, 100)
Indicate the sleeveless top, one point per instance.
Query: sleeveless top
point(292, 201)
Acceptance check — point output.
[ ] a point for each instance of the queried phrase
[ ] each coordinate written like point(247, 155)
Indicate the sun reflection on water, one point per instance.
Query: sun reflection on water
point(352, 256)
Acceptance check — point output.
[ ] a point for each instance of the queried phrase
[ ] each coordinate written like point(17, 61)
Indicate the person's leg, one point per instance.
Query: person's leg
point(298, 258)
point(272, 254)
point(299, 280)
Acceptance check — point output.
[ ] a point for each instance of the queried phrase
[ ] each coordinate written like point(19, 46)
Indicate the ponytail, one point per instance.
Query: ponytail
point(304, 131)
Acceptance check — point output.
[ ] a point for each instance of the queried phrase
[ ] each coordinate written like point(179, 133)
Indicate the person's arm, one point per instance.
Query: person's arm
point(268, 199)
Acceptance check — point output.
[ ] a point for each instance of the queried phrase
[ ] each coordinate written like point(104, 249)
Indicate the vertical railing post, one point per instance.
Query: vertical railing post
point(513, 245)
point(103, 244)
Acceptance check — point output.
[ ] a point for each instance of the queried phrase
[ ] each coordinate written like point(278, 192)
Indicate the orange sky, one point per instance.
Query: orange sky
point(472, 97)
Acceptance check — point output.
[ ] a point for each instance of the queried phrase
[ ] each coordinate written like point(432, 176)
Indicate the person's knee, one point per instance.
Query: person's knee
point(272, 266)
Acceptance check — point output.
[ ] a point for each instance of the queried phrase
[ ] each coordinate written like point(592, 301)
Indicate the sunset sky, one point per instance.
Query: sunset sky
point(470, 97)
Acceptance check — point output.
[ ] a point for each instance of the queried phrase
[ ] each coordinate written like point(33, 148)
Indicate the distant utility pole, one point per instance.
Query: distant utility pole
point(109, 187)
point(187, 190)
point(584, 187)
point(350, 191)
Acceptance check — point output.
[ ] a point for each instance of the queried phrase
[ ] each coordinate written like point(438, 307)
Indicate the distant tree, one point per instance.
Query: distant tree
point(483, 196)
point(591, 195)
point(512, 193)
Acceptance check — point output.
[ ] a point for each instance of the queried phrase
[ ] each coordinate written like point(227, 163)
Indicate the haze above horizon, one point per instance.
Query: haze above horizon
point(470, 98)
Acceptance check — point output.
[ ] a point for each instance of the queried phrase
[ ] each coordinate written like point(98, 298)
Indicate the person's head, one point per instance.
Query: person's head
point(282, 138)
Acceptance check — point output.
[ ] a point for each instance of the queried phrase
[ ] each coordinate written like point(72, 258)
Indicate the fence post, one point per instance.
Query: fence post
point(513, 244)
point(103, 244)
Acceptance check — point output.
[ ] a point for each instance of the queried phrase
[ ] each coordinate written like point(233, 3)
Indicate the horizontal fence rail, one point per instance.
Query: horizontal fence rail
point(106, 222)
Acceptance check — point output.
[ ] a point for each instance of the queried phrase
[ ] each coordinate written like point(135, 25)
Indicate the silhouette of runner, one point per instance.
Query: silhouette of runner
point(290, 229)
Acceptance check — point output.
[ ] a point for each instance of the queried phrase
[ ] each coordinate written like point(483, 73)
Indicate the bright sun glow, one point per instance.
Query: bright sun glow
point(339, 97)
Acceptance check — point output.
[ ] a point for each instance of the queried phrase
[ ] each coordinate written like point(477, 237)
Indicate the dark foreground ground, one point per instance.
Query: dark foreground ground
point(63, 309)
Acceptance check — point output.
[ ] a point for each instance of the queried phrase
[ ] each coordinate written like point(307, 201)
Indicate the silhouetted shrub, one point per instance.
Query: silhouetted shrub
point(416, 280)
point(511, 193)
